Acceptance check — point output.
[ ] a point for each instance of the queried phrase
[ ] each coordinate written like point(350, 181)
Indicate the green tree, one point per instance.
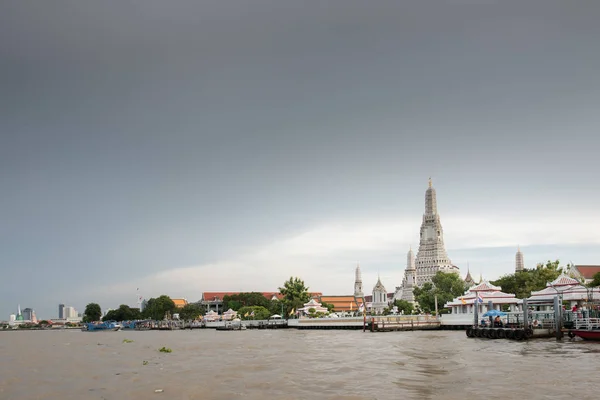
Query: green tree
point(295, 294)
point(276, 307)
point(260, 312)
point(191, 311)
point(92, 313)
point(404, 307)
point(123, 313)
point(595, 280)
point(328, 306)
point(446, 286)
point(157, 308)
point(245, 299)
point(522, 283)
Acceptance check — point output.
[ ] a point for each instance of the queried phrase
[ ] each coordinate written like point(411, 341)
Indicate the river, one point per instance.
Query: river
point(292, 364)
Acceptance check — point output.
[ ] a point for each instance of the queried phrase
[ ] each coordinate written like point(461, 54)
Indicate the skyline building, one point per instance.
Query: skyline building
point(519, 263)
point(61, 311)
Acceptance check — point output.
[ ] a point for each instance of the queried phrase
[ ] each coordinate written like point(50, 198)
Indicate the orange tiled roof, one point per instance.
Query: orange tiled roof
point(212, 296)
point(588, 271)
point(342, 303)
point(179, 303)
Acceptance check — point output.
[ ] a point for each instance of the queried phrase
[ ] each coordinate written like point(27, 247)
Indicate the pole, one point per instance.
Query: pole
point(475, 311)
point(557, 318)
point(436, 306)
point(525, 316)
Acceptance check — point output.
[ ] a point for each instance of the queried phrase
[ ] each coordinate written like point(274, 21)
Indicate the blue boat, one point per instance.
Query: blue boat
point(101, 326)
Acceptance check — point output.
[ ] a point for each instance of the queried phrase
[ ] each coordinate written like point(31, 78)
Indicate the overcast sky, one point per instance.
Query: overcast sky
point(182, 146)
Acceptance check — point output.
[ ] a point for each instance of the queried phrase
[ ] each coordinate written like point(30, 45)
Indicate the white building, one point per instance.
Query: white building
point(314, 305)
point(462, 309)
point(379, 300)
point(568, 289)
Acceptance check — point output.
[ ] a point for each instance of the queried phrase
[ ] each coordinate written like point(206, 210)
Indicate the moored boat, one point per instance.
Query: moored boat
point(586, 328)
point(101, 326)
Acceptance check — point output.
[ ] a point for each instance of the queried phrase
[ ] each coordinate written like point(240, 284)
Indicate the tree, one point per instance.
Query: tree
point(123, 313)
point(254, 312)
point(328, 306)
point(446, 286)
point(595, 280)
point(157, 308)
point(239, 300)
point(92, 313)
point(404, 307)
point(191, 311)
point(522, 283)
point(295, 294)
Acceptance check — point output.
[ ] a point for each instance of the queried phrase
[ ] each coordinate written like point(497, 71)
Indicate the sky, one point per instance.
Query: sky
point(181, 147)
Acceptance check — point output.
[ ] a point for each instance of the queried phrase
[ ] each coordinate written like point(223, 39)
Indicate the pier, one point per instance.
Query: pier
point(369, 323)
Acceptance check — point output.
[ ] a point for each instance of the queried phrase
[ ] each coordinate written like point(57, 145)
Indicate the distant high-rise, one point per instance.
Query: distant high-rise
point(358, 288)
point(519, 264)
point(28, 314)
point(69, 312)
point(61, 311)
point(432, 256)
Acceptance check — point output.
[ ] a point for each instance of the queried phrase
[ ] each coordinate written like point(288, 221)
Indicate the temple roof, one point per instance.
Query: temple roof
point(469, 278)
point(343, 303)
point(379, 286)
point(485, 286)
point(564, 280)
point(587, 271)
point(179, 303)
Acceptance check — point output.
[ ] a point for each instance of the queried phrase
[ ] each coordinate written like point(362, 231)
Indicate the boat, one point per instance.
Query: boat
point(586, 328)
point(235, 325)
point(101, 326)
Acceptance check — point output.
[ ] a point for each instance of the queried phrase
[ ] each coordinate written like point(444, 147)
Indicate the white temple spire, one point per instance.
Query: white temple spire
point(519, 263)
point(358, 288)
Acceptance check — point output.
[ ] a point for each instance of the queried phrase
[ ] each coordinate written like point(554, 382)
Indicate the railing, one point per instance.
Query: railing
point(587, 323)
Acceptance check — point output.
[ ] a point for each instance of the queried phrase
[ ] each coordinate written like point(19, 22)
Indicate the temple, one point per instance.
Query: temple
point(431, 256)
point(358, 289)
point(405, 292)
point(485, 297)
point(469, 281)
point(519, 264)
point(380, 298)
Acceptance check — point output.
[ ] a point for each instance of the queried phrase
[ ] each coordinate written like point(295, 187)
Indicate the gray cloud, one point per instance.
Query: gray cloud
point(140, 136)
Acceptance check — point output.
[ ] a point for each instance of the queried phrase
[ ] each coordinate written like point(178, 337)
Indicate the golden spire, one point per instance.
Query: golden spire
point(430, 184)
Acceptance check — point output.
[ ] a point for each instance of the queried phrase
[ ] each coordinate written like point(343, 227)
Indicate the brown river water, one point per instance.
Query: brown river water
point(292, 364)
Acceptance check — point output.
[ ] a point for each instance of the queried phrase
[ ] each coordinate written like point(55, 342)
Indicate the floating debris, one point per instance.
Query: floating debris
point(165, 350)
point(144, 362)
point(158, 390)
point(127, 341)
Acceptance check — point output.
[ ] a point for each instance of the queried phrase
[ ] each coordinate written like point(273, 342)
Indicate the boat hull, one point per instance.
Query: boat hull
point(587, 335)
